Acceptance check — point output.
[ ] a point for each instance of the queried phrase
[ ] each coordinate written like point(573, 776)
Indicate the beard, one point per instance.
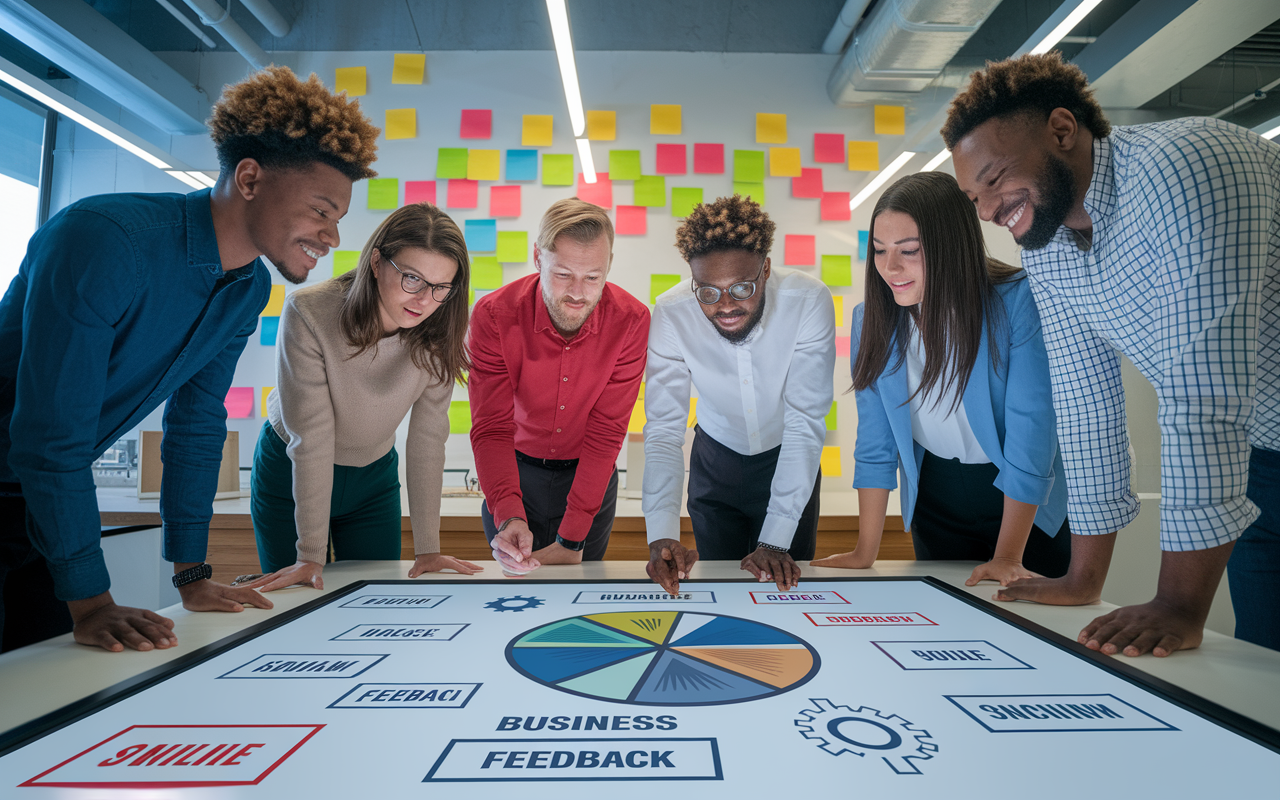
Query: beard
point(565, 321)
point(739, 336)
point(286, 272)
point(1056, 186)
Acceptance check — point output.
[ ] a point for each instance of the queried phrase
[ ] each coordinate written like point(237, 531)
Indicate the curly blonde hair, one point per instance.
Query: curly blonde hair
point(282, 122)
point(728, 223)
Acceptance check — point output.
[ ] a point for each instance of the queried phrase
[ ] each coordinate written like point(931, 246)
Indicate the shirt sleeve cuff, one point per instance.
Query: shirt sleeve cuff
point(1023, 486)
point(778, 531)
point(1202, 527)
point(1098, 518)
point(507, 508)
point(80, 578)
point(662, 525)
point(875, 476)
point(575, 525)
point(185, 544)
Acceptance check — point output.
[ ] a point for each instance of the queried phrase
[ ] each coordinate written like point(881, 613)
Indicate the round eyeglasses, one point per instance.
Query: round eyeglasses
point(413, 284)
point(743, 290)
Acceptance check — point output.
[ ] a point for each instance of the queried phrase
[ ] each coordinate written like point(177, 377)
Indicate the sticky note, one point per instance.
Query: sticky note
point(483, 165)
point(481, 235)
point(864, 156)
point(828, 148)
point(522, 165)
point(239, 402)
point(384, 193)
point(557, 169)
point(602, 126)
point(838, 301)
point(477, 123)
point(266, 394)
point(835, 207)
point(809, 184)
point(345, 261)
point(683, 199)
point(664, 119)
point(708, 159)
point(409, 68)
point(891, 120)
point(748, 165)
point(486, 272)
point(351, 80)
point(659, 284)
point(275, 304)
point(513, 247)
point(631, 221)
point(784, 162)
point(638, 419)
point(650, 190)
point(837, 270)
point(673, 159)
point(420, 192)
point(599, 193)
point(862, 245)
point(693, 412)
point(451, 162)
point(624, 165)
point(752, 189)
point(830, 462)
point(504, 201)
point(402, 123)
point(536, 130)
point(771, 128)
point(842, 346)
point(268, 330)
point(463, 193)
point(460, 416)
point(830, 419)
point(800, 250)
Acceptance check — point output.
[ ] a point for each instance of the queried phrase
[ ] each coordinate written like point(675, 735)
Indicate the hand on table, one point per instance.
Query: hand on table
point(1065, 591)
point(669, 563)
point(209, 596)
point(99, 622)
point(307, 573)
point(851, 560)
point(1002, 570)
point(436, 562)
point(1134, 630)
point(555, 553)
point(513, 549)
point(773, 565)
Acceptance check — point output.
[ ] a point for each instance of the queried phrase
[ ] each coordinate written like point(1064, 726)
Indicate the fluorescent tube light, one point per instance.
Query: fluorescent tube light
point(936, 161)
point(203, 178)
point(1073, 19)
point(1271, 134)
point(588, 163)
point(568, 71)
point(881, 179)
point(185, 177)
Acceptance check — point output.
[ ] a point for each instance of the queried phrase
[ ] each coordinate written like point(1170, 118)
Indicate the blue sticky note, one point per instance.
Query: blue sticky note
point(522, 165)
point(862, 245)
point(267, 331)
point(482, 235)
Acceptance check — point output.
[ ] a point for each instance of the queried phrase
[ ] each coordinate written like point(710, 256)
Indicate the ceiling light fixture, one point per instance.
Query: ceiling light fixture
point(1063, 28)
point(186, 178)
point(881, 179)
point(568, 70)
point(936, 161)
point(588, 163)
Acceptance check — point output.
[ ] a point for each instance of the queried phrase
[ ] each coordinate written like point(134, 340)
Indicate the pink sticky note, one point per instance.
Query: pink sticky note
point(809, 184)
point(673, 159)
point(599, 193)
point(504, 201)
point(477, 123)
point(420, 192)
point(842, 346)
point(465, 194)
point(631, 221)
point(835, 206)
point(239, 402)
point(708, 159)
point(800, 250)
point(828, 148)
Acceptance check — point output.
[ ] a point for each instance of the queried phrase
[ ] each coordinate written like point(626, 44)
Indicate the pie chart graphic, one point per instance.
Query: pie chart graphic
point(664, 658)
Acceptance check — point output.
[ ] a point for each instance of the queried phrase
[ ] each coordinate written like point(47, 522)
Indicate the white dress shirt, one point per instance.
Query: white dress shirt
point(937, 428)
point(773, 389)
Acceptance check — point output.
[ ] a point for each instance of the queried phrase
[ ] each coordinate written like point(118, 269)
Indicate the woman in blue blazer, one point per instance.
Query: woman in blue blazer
point(952, 383)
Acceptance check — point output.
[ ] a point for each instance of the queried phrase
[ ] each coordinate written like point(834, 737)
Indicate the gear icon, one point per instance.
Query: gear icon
point(516, 603)
point(841, 729)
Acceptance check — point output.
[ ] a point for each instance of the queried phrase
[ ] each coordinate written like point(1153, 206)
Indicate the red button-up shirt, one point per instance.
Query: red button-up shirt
point(534, 391)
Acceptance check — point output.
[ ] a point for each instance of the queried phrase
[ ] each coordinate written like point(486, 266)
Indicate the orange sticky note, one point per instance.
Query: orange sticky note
point(602, 126)
point(771, 128)
point(266, 393)
point(352, 80)
point(275, 305)
point(536, 130)
point(830, 462)
point(891, 120)
point(402, 123)
point(664, 119)
point(864, 156)
point(784, 162)
point(483, 165)
point(409, 68)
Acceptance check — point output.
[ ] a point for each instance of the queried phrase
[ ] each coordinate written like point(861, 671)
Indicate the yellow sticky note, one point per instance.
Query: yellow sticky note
point(409, 68)
point(830, 462)
point(266, 392)
point(838, 299)
point(664, 119)
point(784, 162)
point(402, 123)
point(351, 80)
point(693, 412)
point(482, 165)
point(864, 156)
point(536, 130)
point(602, 126)
point(638, 419)
point(275, 305)
point(771, 128)
point(891, 120)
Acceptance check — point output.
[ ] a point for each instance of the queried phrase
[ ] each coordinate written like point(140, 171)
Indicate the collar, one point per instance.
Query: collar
point(542, 318)
point(1100, 197)
point(202, 241)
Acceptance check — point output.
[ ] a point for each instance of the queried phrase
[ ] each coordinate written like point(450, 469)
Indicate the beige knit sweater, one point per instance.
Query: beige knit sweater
point(332, 409)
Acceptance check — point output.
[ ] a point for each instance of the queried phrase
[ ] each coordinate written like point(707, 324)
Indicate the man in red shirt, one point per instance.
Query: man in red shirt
point(557, 360)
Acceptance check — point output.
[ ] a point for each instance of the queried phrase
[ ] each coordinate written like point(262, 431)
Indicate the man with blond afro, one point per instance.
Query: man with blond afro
point(126, 301)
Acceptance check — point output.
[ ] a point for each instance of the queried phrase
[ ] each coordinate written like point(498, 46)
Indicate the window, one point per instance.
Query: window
point(21, 147)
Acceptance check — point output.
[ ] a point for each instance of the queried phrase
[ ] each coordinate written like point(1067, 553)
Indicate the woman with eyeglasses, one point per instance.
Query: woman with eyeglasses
point(354, 355)
point(952, 383)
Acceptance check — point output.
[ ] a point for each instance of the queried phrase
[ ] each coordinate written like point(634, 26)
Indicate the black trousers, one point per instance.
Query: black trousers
point(728, 497)
point(29, 611)
point(546, 496)
point(958, 514)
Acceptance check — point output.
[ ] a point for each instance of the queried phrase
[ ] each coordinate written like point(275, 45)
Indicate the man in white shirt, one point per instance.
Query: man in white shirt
point(759, 344)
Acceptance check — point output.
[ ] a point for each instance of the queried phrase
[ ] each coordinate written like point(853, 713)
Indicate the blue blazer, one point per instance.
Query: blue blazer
point(1010, 410)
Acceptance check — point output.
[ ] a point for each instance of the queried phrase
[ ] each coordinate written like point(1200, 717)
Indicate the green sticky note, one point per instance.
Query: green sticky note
point(754, 190)
point(557, 169)
point(837, 270)
point(831, 417)
point(345, 261)
point(451, 162)
point(748, 165)
point(659, 284)
point(513, 246)
point(486, 272)
point(460, 416)
point(624, 165)
point(650, 190)
point(384, 193)
point(683, 199)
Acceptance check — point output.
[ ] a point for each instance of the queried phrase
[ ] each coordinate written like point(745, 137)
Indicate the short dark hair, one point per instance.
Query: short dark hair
point(728, 223)
point(1029, 84)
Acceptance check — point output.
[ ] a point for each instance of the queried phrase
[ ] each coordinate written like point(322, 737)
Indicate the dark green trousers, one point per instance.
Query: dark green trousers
point(364, 508)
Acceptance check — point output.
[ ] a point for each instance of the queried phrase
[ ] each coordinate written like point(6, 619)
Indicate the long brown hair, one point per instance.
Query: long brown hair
point(437, 345)
point(959, 290)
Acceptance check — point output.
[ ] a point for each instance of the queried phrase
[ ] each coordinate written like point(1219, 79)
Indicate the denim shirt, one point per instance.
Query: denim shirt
point(120, 303)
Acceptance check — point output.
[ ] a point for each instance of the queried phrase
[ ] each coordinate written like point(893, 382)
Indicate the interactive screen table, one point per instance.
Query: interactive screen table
point(897, 687)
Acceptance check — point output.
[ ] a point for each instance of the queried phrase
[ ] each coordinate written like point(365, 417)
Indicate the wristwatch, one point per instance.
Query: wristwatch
point(570, 545)
point(199, 572)
point(773, 547)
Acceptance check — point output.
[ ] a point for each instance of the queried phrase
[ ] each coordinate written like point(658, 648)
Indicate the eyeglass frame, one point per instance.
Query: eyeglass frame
point(426, 284)
point(721, 292)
